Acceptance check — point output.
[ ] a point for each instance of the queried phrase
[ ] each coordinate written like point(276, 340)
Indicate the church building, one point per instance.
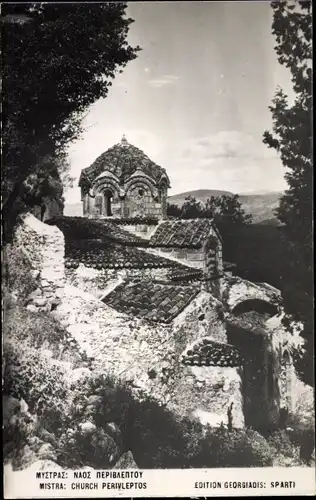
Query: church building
point(124, 183)
point(222, 337)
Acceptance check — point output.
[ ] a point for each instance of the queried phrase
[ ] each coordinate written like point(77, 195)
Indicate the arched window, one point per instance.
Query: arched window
point(108, 199)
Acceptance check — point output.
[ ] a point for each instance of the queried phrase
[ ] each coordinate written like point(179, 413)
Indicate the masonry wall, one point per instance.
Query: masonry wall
point(191, 257)
point(147, 355)
point(206, 392)
point(139, 202)
point(44, 247)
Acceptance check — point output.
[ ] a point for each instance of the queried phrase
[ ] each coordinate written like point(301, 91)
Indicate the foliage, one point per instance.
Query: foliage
point(292, 139)
point(30, 376)
point(19, 277)
point(160, 439)
point(42, 331)
point(91, 420)
point(58, 59)
point(173, 210)
point(18, 426)
point(226, 211)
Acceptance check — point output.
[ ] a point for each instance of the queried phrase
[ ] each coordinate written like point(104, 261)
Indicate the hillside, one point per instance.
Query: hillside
point(261, 206)
point(200, 194)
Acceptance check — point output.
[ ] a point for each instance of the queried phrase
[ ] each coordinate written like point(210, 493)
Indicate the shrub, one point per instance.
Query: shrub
point(103, 399)
point(302, 434)
point(29, 375)
point(160, 439)
point(18, 273)
point(18, 426)
point(96, 449)
point(42, 331)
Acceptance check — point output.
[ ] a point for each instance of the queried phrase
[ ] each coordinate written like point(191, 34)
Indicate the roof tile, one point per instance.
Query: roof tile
point(122, 161)
point(183, 233)
point(100, 254)
point(78, 228)
point(149, 300)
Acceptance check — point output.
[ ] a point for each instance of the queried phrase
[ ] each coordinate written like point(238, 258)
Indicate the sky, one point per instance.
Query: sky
point(196, 98)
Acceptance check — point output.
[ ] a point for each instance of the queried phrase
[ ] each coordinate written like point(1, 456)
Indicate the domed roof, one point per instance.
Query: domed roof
point(123, 160)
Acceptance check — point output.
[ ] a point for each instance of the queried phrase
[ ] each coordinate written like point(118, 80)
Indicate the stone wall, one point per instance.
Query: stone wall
point(140, 202)
point(205, 392)
point(236, 290)
point(148, 354)
point(190, 257)
point(44, 246)
point(294, 394)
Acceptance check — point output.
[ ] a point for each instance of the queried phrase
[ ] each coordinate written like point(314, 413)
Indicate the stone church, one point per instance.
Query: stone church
point(169, 315)
point(124, 182)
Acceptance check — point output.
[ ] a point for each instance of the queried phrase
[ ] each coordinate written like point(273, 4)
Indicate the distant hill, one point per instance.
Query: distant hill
point(200, 194)
point(261, 206)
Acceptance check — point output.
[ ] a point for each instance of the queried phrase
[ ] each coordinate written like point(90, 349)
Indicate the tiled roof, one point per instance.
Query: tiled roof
point(122, 160)
point(78, 228)
point(150, 300)
point(188, 233)
point(208, 352)
point(100, 254)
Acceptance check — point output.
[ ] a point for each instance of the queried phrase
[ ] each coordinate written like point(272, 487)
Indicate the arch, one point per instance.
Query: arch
point(140, 180)
point(106, 183)
point(254, 304)
point(164, 181)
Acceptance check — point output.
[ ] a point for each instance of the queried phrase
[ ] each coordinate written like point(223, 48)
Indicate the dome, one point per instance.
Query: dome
point(122, 161)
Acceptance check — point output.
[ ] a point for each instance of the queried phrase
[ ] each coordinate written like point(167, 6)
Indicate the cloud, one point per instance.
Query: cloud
point(226, 145)
point(163, 81)
point(228, 160)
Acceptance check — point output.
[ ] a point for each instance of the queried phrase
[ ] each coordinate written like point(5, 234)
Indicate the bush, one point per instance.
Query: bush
point(159, 439)
point(40, 382)
point(42, 331)
point(96, 449)
point(18, 273)
point(302, 435)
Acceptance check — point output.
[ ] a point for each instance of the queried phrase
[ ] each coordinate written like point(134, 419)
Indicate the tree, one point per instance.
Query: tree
point(58, 59)
point(292, 138)
point(192, 208)
point(227, 212)
point(173, 210)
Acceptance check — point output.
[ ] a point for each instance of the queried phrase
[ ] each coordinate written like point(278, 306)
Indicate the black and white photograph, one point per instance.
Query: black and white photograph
point(157, 249)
